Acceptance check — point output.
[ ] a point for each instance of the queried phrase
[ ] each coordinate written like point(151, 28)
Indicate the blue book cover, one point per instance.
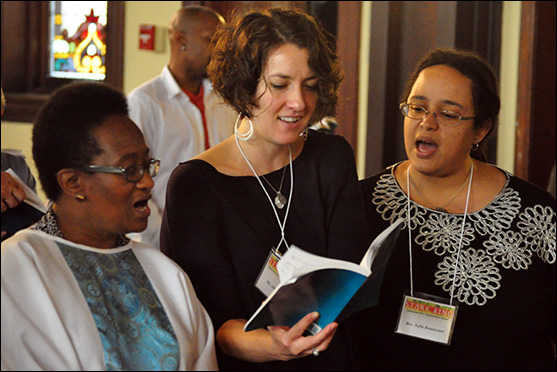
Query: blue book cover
point(334, 288)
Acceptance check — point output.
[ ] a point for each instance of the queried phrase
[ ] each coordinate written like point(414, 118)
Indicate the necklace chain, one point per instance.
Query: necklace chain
point(280, 200)
point(269, 183)
point(441, 208)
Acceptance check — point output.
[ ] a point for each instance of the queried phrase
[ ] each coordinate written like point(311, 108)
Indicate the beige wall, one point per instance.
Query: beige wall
point(140, 66)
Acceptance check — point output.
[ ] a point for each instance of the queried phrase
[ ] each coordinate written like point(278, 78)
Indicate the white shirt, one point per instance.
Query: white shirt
point(173, 130)
point(48, 325)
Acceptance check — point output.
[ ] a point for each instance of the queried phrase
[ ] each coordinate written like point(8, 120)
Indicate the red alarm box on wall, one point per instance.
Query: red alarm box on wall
point(147, 37)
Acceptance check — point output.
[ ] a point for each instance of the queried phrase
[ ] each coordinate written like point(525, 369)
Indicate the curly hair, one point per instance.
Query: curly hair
point(241, 48)
point(62, 135)
point(485, 93)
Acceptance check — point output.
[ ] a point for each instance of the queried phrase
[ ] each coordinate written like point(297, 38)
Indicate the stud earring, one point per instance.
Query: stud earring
point(183, 47)
point(79, 197)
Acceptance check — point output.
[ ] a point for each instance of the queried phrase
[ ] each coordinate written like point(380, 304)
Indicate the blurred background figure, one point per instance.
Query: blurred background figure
point(178, 112)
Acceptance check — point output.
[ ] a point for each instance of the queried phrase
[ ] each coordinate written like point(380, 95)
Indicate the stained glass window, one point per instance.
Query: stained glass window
point(78, 39)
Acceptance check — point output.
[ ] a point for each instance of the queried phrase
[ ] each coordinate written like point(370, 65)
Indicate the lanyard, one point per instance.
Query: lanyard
point(283, 224)
point(461, 234)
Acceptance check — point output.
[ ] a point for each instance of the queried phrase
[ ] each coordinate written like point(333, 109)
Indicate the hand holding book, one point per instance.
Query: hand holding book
point(334, 288)
point(24, 214)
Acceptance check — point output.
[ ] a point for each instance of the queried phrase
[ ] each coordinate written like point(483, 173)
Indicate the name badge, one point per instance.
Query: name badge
point(268, 278)
point(428, 317)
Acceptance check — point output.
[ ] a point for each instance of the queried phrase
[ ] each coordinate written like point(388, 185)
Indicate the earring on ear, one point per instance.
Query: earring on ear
point(475, 145)
point(183, 47)
point(79, 197)
point(304, 134)
point(243, 136)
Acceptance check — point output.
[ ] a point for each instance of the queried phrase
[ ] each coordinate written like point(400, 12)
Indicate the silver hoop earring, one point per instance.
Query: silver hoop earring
point(475, 146)
point(243, 136)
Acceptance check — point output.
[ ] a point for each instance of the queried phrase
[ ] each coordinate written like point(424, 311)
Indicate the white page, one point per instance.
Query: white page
point(31, 197)
point(297, 262)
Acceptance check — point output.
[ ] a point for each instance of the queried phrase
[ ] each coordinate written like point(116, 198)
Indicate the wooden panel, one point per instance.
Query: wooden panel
point(115, 48)
point(535, 137)
point(525, 77)
point(348, 35)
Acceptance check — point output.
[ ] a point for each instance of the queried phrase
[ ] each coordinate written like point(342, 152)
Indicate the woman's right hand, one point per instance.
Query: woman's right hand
point(290, 343)
point(276, 342)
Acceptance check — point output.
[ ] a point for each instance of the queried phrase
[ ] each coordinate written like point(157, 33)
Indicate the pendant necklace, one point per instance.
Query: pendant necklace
point(280, 200)
point(441, 208)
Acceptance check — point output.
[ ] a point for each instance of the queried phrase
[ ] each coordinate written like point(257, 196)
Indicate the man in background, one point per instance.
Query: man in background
point(178, 112)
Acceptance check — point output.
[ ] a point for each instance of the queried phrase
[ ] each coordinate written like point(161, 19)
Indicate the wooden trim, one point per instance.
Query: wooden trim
point(115, 49)
point(348, 35)
point(524, 94)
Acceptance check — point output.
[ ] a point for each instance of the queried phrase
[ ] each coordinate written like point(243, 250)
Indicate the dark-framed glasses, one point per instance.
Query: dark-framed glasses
point(133, 173)
point(445, 118)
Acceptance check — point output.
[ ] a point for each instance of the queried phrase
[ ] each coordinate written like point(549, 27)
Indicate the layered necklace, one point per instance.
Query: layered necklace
point(279, 200)
point(441, 208)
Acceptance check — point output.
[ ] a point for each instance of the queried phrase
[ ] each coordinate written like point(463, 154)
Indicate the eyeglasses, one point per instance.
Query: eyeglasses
point(445, 118)
point(133, 173)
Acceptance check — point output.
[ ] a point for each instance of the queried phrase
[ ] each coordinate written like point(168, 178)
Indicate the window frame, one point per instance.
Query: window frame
point(25, 78)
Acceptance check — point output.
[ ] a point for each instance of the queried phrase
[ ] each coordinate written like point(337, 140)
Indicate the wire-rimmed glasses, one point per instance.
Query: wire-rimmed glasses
point(445, 118)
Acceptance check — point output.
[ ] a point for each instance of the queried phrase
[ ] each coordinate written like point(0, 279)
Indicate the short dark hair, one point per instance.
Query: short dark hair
point(191, 14)
point(62, 130)
point(241, 49)
point(485, 93)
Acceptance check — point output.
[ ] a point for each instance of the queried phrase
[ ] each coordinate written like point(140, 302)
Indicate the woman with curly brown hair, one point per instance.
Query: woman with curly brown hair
point(272, 184)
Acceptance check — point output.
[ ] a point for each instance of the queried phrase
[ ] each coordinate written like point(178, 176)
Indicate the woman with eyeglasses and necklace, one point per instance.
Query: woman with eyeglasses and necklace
point(238, 206)
point(77, 294)
point(471, 284)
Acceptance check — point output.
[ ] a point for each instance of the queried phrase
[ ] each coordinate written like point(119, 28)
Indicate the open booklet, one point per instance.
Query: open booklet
point(26, 213)
point(332, 287)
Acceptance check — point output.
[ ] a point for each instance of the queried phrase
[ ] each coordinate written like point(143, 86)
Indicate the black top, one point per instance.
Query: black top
point(220, 230)
point(505, 282)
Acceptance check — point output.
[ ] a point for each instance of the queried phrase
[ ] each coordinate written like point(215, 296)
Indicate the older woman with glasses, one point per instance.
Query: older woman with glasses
point(77, 294)
point(471, 284)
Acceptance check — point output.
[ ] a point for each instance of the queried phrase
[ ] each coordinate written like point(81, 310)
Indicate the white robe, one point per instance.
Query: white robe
point(47, 323)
